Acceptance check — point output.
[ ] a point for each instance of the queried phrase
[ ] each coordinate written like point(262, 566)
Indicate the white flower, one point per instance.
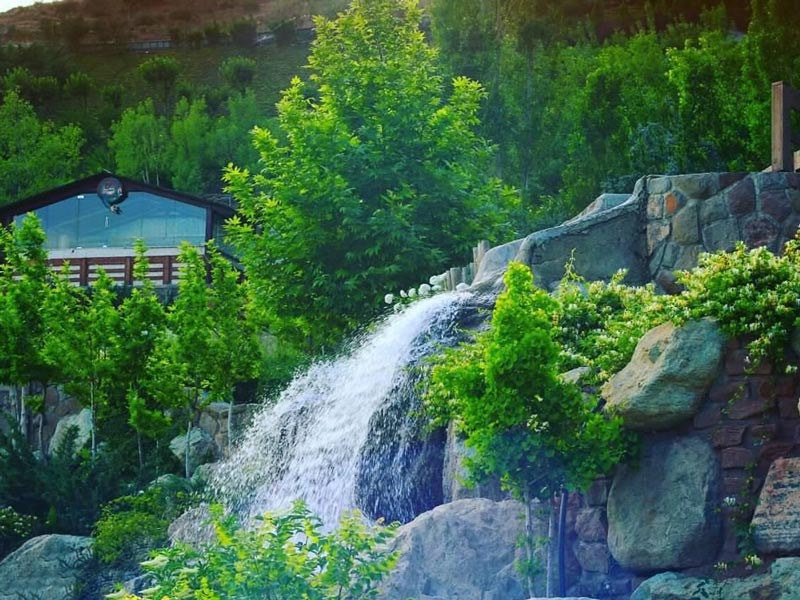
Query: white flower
point(729, 501)
point(424, 289)
point(403, 294)
point(412, 292)
point(388, 298)
point(437, 288)
point(462, 287)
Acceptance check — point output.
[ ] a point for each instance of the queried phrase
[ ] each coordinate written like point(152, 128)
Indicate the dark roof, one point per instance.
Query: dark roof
point(88, 185)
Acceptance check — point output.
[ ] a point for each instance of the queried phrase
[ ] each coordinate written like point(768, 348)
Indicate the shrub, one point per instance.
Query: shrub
point(284, 556)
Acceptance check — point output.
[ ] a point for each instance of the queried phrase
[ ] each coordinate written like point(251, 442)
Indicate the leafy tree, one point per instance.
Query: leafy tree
point(141, 320)
point(79, 85)
point(189, 147)
point(284, 556)
point(138, 142)
point(161, 73)
point(24, 286)
point(231, 139)
point(238, 72)
point(34, 154)
point(82, 342)
point(522, 421)
point(376, 177)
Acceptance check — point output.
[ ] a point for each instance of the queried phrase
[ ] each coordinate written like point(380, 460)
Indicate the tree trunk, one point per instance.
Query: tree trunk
point(186, 450)
point(552, 551)
point(91, 428)
point(562, 546)
point(23, 413)
point(139, 448)
point(529, 545)
point(230, 426)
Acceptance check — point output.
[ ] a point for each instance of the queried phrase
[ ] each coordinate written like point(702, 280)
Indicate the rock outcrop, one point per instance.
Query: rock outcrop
point(663, 514)
point(83, 424)
point(782, 582)
point(47, 566)
point(460, 551)
point(776, 522)
point(202, 448)
point(663, 384)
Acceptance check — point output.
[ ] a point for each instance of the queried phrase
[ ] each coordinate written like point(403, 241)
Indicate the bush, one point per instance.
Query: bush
point(284, 556)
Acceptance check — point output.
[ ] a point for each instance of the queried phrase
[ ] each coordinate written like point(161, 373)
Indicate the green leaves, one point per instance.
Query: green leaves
point(504, 392)
point(284, 556)
point(377, 177)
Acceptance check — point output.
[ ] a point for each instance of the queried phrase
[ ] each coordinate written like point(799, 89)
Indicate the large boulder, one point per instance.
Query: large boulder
point(460, 551)
point(663, 514)
point(48, 566)
point(671, 367)
point(82, 422)
point(202, 448)
point(782, 582)
point(776, 522)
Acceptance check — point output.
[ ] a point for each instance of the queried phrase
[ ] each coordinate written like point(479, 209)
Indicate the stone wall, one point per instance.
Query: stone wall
point(689, 214)
point(681, 508)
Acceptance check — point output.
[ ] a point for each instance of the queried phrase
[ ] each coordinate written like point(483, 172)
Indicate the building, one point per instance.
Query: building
point(93, 223)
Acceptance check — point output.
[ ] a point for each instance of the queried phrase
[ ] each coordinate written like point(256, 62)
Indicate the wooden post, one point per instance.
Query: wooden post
point(128, 276)
point(83, 274)
point(784, 100)
point(167, 274)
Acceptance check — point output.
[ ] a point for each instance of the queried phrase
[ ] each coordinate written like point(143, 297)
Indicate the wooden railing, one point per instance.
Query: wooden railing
point(785, 99)
point(84, 271)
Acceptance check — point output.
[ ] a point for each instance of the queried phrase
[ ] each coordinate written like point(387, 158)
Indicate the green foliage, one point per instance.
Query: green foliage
point(161, 74)
point(752, 294)
point(520, 418)
point(34, 154)
point(377, 175)
point(131, 525)
point(138, 143)
point(284, 556)
point(14, 528)
point(238, 72)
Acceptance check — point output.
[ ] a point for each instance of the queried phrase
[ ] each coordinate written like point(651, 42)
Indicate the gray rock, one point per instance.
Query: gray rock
point(663, 513)
point(455, 478)
point(782, 582)
point(82, 420)
point(193, 528)
point(721, 235)
point(493, 265)
point(663, 383)
point(658, 185)
point(202, 448)
point(47, 566)
point(713, 209)
point(685, 225)
point(776, 522)
point(460, 551)
point(618, 231)
point(696, 185)
point(601, 203)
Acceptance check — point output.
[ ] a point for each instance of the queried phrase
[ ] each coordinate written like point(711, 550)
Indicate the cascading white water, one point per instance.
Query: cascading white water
point(308, 444)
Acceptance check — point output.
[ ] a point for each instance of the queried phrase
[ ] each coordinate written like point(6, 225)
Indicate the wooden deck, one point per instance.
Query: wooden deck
point(84, 267)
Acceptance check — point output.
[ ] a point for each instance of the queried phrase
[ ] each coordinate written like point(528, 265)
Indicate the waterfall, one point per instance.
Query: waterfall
point(312, 443)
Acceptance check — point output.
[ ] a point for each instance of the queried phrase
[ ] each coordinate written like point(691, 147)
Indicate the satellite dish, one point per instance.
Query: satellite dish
point(111, 193)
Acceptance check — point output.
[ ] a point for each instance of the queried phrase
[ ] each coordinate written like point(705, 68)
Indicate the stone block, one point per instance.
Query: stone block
point(593, 557)
point(761, 231)
point(666, 279)
point(728, 179)
point(655, 206)
point(663, 514)
point(658, 185)
point(736, 458)
point(776, 522)
point(728, 435)
point(742, 198)
point(787, 408)
point(769, 180)
point(708, 416)
point(775, 204)
point(673, 202)
point(721, 235)
point(793, 180)
point(597, 494)
point(657, 232)
point(591, 524)
point(672, 252)
point(794, 199)
point(696, 185)
point(713, 209)
point(685, 225)
point(765, 432)
point(726, 388)
point(774, 450)
point(744, 408)
point(688, 257)
point(734, 486)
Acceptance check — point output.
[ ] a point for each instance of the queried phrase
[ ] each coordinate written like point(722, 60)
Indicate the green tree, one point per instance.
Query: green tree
point(231, 139)
point(34, 154)
point(523, 422)
point(377, 176)
point(24, 286)
point(189, 148)
point(139, 143)
point(79, 85)
point(238, 72)
point(161, 73)
point(142, 319)
point(81, 341)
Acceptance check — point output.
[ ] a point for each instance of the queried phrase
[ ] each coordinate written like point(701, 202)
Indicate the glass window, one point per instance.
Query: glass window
point(84, 221)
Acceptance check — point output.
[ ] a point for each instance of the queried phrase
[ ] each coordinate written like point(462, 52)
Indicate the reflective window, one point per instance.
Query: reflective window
point(83, 221)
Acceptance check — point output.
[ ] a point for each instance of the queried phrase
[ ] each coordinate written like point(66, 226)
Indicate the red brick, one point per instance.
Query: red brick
point(736, 458)
point(774, 450)
point(763, 433)
point(744, 409)
point(787, 408)
point(728, 435)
